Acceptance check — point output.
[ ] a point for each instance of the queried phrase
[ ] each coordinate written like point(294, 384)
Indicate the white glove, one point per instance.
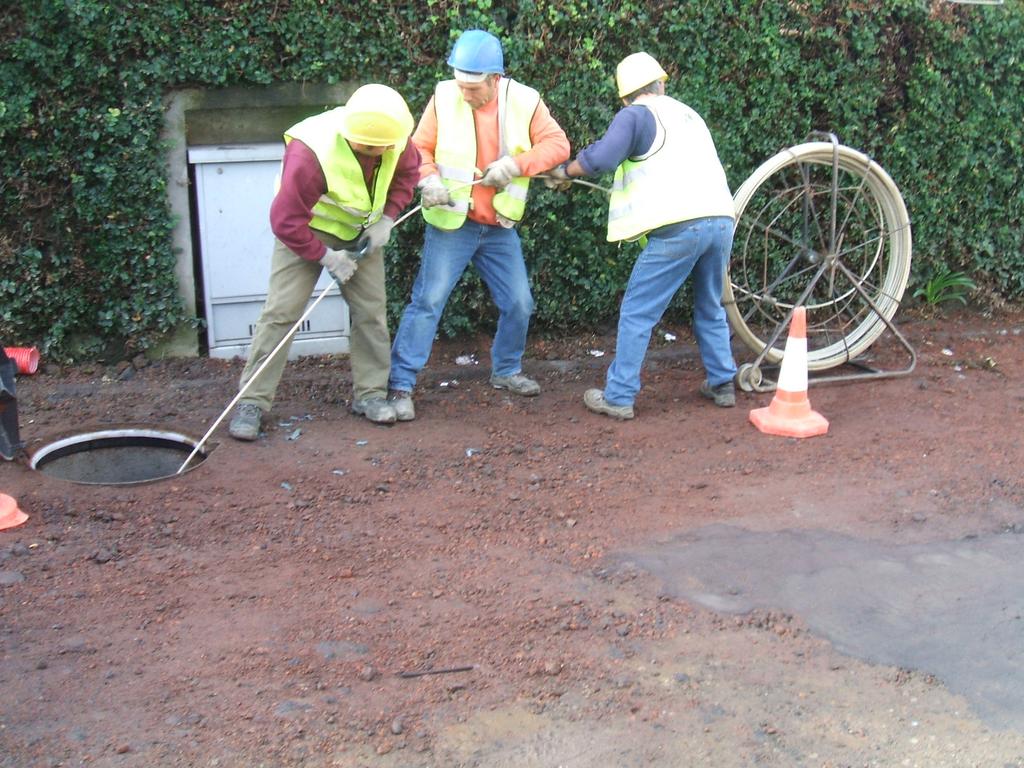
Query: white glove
point(377, 234)
point(339, 264)
point(434, 192)
point(501, 172)
point(558, 178)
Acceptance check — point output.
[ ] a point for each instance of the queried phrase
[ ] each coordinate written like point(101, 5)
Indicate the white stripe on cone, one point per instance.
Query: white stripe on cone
point(793, 375)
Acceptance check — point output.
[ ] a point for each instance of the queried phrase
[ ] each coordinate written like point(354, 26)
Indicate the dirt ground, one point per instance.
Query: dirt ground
point(260, 610)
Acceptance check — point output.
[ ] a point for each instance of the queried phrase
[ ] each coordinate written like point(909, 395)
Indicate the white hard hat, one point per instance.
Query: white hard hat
point(637, 70)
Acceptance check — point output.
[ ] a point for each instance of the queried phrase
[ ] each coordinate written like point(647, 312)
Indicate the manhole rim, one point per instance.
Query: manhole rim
point(39, 455)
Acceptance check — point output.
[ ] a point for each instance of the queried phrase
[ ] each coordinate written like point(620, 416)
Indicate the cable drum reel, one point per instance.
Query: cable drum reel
point(823, 226)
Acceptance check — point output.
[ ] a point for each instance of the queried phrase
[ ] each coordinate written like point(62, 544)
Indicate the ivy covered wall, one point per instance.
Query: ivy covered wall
point(932, 90)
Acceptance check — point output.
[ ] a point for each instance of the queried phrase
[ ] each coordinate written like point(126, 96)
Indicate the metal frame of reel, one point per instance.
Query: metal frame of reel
point(750, 375)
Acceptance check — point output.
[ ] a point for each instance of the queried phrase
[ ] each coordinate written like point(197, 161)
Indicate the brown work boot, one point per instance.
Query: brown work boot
point(594, 400)
point(517, 384)
point(246, 422)
point(376, 409)
point(401, 401)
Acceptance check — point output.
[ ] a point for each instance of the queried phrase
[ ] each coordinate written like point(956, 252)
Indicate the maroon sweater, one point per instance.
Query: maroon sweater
point(303, 182)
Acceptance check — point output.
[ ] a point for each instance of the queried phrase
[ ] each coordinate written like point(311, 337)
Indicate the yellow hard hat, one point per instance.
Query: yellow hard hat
point(637, 70)
point(377, 116)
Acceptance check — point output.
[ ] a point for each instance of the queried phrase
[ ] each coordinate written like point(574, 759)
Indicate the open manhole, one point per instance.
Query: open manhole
point(118, 456)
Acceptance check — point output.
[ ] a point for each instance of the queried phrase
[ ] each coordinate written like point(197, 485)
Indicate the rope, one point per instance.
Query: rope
point(285, 340)
point(309, 311)
point(581, 182)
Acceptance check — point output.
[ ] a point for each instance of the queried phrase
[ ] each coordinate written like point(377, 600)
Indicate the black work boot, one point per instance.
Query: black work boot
point(724, 394)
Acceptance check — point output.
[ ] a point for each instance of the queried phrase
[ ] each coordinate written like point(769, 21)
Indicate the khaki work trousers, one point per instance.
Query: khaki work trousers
point(292, 280)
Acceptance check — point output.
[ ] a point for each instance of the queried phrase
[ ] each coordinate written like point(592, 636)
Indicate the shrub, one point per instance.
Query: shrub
point(931, 90)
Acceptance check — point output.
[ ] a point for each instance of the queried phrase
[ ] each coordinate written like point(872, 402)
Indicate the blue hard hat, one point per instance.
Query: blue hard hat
point(477, 51)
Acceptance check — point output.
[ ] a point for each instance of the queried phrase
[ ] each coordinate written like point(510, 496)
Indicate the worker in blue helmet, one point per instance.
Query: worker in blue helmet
point(480, 119)
point(477, 51)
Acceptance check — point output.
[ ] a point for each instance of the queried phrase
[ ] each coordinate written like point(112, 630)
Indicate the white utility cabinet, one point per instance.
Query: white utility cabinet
point(234, 188)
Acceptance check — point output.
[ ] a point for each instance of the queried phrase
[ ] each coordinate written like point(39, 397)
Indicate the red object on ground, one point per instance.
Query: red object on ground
point(10, 515)
point(27, 358)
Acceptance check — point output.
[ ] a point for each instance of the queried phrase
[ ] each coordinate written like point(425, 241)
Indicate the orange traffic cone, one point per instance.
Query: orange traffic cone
point(790, 413)
point(10, 515)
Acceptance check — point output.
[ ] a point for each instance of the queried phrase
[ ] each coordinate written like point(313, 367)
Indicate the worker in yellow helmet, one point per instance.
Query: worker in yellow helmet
point(346, 176)
point(671, 189)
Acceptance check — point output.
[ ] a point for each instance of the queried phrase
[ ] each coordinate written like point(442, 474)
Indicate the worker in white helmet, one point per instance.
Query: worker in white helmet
point(346, 176)
point(670, 192)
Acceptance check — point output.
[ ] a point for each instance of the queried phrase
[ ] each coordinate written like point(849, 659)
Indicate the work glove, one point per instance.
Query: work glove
point(377, 234)
point(558, 178)
point(501, 172)
point(434, 192)
point(340, 264)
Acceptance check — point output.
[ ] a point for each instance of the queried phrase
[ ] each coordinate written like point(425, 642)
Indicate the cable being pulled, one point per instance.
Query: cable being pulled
point(579, 181)
point(287, 337)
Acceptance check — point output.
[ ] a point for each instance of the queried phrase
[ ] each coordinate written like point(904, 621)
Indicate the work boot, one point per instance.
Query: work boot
point(594, 400)
point(246, 423)
point(376, 409)
point(724, 394)
point(517, 384)
point(401, 401)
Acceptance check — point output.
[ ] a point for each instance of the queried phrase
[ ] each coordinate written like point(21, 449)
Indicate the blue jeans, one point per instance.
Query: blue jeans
point(700, 247)
point(498, 256)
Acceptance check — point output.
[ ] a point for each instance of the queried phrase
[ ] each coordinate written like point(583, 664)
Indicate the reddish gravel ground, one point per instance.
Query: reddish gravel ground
point(261, 609)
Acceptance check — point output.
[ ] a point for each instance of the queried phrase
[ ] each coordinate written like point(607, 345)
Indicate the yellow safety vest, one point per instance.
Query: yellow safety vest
point(679, 178)
point(347, 207)
point(455, 152)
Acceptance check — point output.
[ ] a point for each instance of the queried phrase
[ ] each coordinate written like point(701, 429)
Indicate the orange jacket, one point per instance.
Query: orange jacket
point(550, 147)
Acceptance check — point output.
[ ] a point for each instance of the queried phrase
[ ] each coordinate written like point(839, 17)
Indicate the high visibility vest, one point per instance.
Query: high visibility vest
point(347, 206)
point(679, 178)
point(455, 152)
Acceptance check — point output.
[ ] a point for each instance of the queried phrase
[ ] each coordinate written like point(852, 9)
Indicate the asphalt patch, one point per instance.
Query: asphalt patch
point(953, 609)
